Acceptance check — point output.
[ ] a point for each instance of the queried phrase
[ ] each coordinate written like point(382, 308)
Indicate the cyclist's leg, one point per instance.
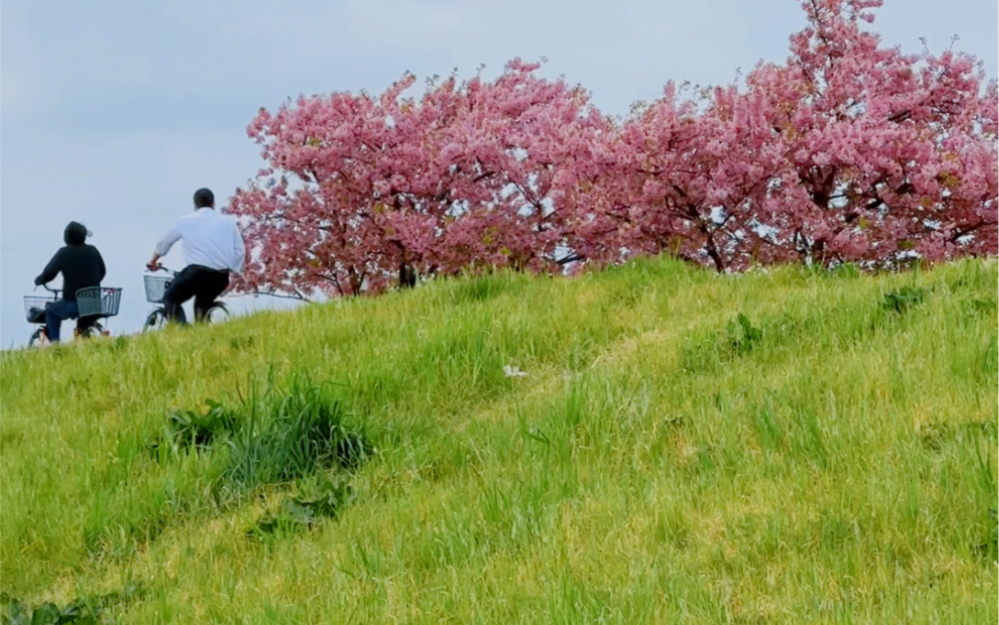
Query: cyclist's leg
point(181, 289)
point(211, 285)
point(54, 315)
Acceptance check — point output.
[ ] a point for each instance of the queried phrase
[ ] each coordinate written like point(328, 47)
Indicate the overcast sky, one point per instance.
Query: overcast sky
point(113, 113)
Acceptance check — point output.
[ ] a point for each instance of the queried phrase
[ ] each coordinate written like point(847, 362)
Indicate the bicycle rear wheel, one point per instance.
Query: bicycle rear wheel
point(91, 331)
point(155, 321)
point(218, 313)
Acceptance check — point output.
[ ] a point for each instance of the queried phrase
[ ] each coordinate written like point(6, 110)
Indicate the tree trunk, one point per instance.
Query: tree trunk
point(407, 276)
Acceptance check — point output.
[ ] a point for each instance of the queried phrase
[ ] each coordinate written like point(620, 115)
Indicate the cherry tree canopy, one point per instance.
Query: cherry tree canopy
point(848, 151)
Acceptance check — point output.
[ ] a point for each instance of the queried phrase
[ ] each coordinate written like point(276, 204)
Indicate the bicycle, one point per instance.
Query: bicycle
point(94, 303)
point(156, 287)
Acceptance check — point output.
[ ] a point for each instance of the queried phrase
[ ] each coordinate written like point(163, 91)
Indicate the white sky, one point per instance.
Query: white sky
point(113, 113)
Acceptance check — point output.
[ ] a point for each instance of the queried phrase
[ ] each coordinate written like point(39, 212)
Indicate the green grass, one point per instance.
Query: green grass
point(777, 447)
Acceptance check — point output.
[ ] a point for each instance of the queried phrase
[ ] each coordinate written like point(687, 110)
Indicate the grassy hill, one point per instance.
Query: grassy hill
point(778, 447)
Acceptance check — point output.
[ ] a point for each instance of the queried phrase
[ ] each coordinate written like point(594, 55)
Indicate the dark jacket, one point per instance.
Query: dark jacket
point(80, 264)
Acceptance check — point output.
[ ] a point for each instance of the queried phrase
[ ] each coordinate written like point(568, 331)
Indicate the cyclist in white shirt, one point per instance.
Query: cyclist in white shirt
point(213, 246)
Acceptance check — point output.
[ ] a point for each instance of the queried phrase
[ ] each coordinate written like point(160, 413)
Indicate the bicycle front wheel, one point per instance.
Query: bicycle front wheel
point(36, 337)
point(155, 321)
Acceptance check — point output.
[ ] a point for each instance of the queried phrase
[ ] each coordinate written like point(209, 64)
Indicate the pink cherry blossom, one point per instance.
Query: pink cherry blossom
point(848, 151)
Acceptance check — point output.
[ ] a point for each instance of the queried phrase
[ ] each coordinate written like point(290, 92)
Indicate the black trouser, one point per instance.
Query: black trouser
point(201, 283)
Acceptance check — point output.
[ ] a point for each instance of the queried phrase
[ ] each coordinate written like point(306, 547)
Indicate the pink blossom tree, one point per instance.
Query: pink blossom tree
point(849, 151)
point(352, 189)
point(889, 153)
point(530, 144)
point(685, 175)
point(359, 188)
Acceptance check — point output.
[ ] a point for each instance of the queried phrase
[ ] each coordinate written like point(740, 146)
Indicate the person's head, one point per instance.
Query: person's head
point(75, 233)
point(204, 198)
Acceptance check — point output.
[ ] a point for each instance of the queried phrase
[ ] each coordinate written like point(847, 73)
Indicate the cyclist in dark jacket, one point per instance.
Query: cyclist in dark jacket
point(81, 266)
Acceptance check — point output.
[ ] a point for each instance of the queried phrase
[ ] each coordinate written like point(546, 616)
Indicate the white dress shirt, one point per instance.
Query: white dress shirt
point(210, 239)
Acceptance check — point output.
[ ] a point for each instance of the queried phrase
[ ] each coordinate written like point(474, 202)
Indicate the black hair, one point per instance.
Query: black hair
point(204, 198)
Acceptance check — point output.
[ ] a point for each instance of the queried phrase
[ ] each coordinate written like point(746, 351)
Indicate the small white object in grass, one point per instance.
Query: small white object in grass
point(513, 372)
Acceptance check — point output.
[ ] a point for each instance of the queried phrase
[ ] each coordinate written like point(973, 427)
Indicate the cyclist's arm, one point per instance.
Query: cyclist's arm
point(163, 247)
point(239, 249)
point(103, 269)
point(51, 270)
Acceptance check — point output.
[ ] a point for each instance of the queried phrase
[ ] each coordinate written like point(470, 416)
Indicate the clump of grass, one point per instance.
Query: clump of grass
point(989, 550)
point(710, 349)
point(186, 429)
point(934, 436)
point(213, 459)
point(76, 613)
point(477, 288)
point(270, 438)
point(901, 300)
point(743, 335)
point(314, 501)
point(294, 437)
point(91, 610)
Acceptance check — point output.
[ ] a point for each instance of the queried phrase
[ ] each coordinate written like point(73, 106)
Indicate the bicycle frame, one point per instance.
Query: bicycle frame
point(41, 333)
point(157, 317)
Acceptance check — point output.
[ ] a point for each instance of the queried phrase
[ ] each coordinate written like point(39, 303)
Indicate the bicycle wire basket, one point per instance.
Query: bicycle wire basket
point(96, 301)
point(35, 305)
point(156, 287)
